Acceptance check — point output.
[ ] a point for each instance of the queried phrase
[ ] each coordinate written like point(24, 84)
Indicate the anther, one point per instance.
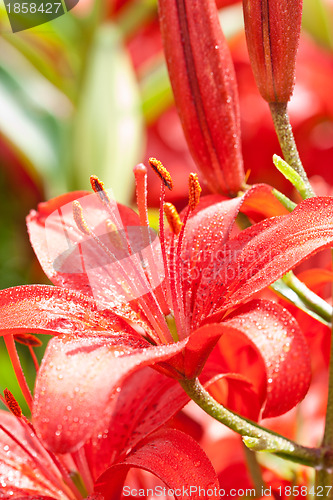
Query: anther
point(98, 187)
point(194, 191)
point(79, 219)
point(12, 403)
point(162, 172)
point(114, 235)
point(173, 218)
point(27, 339)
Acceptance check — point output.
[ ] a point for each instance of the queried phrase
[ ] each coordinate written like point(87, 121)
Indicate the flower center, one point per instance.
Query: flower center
point(151, 279)
point(176, 319)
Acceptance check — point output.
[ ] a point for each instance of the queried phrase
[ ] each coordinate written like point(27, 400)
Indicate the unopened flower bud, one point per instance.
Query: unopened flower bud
point(204, 86)
point(272, 32)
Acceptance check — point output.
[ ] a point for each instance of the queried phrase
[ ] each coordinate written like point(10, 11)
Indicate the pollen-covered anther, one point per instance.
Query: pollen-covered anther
point(173, 218)
point(194, 191)
point(79, 219)
point(27, 339)
point(12, 403)
point(114, 235)
point(98, 187)
point(162, 172)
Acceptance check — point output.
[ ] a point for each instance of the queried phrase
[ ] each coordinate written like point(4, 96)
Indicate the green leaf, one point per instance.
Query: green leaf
point(260, 444)
point(282, 289)
point(54, 49)
point(286, 202)
point(293, 177)
point(29, 124)
point(108, 130)
point(156, 90)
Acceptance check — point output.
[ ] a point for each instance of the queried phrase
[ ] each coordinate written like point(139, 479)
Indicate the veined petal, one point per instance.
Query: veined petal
point(209, 229)
point(259, 203)
point(67, 256)
point(52, 310)
point(238, 393)
point(146, 401)
point(108, 263)
point(262, 345)
point(78, 378)
point(274, 333)
point(204, 86)
point(20, 476)
point(172, 456)
point(205, 232)
point(261, 254)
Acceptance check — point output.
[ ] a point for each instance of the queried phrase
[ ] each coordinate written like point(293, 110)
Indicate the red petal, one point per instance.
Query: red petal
point(77, 379)
point(19, 472)
point(199, 346)
point(147, 400)
point(172, 456)
point(276, 336)
point(57, 241)
point(238, 393)
point(260, 202)
point(52, 310)
point(261, 254)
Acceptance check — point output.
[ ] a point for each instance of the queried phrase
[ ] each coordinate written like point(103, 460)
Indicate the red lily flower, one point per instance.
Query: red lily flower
point(205, 277)
point(130, 440)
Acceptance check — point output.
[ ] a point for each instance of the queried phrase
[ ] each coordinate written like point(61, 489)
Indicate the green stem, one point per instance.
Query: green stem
point(287, 142)
point(254, 435)
point(324, 477)
point(311, 299)
point(254, 471)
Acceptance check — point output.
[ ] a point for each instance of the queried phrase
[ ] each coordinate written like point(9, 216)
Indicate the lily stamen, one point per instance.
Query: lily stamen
point(79, 219)
point(30, 341)
point(162, 172)
point(15, 360)
point(173, 218)
point(146, 304)
point(173, 297)
point(98, 188)
point(140, 173)
point(194, 191)
point(82, 466)
point(194, 198)
point(12, 404)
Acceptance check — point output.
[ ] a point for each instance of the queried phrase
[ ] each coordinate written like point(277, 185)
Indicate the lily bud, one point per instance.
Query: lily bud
point(204, 86)
point(272, 31)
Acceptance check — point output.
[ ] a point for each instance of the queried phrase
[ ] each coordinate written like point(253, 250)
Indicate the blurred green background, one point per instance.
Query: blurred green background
point(81, 95)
